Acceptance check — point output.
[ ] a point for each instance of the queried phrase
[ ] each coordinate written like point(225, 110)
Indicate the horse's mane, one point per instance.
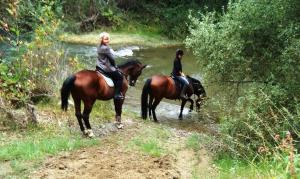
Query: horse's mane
point(198, 85)
point(128, 63)
point(193, 79)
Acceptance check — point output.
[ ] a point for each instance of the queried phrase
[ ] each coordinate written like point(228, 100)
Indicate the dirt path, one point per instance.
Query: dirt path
point(140, 150)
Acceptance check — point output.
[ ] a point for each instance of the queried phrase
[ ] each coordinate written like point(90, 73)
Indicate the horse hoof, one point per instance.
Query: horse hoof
point(89, 133)
point(119, 125)
point(180, 118)
point(85, 132)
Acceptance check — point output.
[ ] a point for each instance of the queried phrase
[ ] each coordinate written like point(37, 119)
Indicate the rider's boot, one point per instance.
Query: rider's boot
point(118, 95)
point(183, 92)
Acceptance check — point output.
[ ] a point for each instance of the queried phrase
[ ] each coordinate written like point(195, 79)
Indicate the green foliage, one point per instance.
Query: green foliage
point(248, 40)
point(24, 16)
point(170, 17)
point(32, 65)
point(91, 14)
point(254, 41)
point(256, 123)
point(12, 85)
point(234, 168)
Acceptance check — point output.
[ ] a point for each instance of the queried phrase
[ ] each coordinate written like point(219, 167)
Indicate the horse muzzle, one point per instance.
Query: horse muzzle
point(132, 82)
point(200, 101)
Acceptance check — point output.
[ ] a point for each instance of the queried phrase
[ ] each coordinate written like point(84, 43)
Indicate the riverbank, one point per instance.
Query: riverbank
point(171, 148)
point(56, 149)
point(120, 39)
point(142, 149)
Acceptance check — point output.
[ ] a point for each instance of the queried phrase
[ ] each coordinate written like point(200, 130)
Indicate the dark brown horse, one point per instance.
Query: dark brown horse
point(88, 85)
point(159, 87)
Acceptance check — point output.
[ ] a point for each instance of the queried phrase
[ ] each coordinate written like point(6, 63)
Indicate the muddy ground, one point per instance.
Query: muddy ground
point(117, 156)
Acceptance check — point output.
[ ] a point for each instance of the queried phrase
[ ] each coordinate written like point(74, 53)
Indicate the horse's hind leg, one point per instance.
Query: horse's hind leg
point(181, 108)
point(150, 105)
point(192, 104)
point(154, 105)
point(77, 103)
point(88, 105)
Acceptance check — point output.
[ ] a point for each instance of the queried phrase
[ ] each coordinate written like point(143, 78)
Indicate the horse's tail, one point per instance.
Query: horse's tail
point(144, 102)
point(66, 90)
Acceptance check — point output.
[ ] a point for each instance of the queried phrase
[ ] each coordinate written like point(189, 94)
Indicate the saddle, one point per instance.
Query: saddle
point(108, 80)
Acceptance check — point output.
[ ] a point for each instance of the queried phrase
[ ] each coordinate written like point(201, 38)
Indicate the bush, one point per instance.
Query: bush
point(32, 65)
point(256, 122)
point(255, 42)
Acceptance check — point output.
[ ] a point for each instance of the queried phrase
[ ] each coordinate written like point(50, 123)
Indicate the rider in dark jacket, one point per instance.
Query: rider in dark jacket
point(178, 74)
point(106, 64)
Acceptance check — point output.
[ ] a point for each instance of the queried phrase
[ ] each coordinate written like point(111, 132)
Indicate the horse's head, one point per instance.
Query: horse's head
point(133, 69)
point(197, 86)
point(198, 90)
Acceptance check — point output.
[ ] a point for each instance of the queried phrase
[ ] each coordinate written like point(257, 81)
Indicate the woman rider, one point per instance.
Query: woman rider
point(178, 74)
point(106, 64)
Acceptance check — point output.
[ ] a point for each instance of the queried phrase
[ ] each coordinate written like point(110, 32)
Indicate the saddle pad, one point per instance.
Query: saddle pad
point(108, 81)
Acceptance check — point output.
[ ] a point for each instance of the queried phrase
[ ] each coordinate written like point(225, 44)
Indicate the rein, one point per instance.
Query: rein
point(123, 74)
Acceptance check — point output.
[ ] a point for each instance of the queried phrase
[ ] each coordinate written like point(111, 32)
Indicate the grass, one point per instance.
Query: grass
point(33, 148)
point(151, 141)
point(193, 142)
point(195, 173)
point(121, 38)
point(149, 146)
point(237, 168)
point(23, 150)
point(103, 111)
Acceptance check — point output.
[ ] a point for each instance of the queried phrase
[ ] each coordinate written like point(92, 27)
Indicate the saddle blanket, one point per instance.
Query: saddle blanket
point(108, 81)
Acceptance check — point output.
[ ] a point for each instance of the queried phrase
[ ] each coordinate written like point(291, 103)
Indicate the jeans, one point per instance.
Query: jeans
point(182, 80)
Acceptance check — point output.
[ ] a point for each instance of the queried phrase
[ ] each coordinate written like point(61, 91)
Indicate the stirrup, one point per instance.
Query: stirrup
point(119, 97)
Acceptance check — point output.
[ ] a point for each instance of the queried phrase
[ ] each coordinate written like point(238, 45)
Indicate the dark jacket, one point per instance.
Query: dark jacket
point(106, 61)
point(177, 67)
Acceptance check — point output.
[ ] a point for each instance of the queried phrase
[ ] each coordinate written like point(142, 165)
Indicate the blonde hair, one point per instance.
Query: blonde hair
point(104, 34)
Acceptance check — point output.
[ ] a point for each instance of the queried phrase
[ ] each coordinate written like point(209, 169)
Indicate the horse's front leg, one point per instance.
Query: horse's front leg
point(181, 109)
point(118, 109)
point(198, 104)
point(192, 104)
point(88, 105)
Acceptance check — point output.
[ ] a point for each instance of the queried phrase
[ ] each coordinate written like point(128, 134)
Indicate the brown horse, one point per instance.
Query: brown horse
point(88, 85)
point(159, 87)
